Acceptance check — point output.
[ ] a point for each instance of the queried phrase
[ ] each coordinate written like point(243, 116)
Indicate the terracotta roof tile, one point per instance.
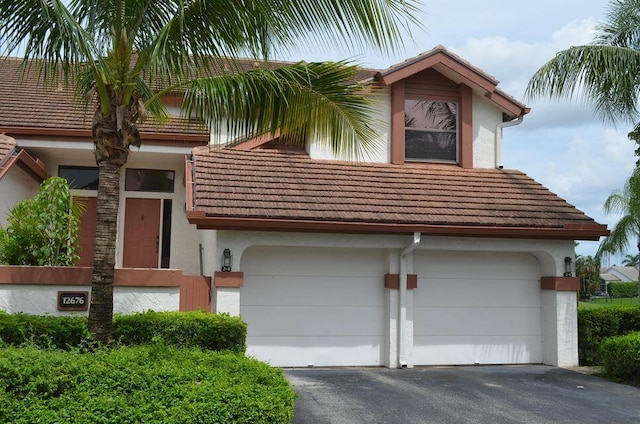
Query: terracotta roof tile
point(6, 146)
point(273, 185)
point(28, 103)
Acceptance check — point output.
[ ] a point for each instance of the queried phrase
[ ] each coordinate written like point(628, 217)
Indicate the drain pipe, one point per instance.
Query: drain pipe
point(498, 138)
point(402, 326)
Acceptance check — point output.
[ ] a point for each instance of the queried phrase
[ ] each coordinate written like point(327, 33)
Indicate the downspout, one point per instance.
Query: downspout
point(498, 138)
point(402, 326)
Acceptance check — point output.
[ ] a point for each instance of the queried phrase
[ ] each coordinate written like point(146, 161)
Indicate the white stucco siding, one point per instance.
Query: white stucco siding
point(42, 300)
point(314, 306)
point(485, 119)
point(477, 308)
point(379, 150)
point(15, 185)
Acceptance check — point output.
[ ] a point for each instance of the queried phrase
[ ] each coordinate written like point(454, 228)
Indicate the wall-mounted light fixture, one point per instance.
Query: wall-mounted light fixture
point(568, 271)
point(227, 260)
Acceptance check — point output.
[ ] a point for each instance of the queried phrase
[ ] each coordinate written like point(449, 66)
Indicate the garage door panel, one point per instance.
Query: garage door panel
point(477, 307)
point(476, 321)
point(445, 350)
point(486, 293)
point(306, 290)
point(315, 306)
point(321, 320)
point(316, 351)
point(500, 266)
point(321, 263)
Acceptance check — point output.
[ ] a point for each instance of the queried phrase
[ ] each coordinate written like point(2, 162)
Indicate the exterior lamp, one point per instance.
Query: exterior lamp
point(227, 260)
point(567, 266)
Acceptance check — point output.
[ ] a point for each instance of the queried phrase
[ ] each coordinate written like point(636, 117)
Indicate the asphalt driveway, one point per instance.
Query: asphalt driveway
point(484, 394)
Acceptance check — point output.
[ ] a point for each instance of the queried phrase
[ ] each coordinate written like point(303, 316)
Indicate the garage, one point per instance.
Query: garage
point(476, 308)
point(314, 306)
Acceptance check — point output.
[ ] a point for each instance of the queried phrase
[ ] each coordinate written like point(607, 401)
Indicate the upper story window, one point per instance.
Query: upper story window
point(149, 180)
point(80, 177)
point(431, 130)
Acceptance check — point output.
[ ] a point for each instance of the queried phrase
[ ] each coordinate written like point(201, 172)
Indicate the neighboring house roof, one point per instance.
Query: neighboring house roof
point(30, 107)
point(270, 190)
point(620, 273)
point(11, 156)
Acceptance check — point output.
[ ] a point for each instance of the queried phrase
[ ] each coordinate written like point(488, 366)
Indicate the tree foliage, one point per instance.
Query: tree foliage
point(588, 270)
point(605, 72)
point(43, 230)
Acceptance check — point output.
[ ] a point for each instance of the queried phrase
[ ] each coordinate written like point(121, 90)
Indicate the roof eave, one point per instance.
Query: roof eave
point(568, 232)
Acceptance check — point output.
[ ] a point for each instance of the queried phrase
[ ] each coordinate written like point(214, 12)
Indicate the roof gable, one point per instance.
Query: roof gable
point(459, 71)
point(11, 156)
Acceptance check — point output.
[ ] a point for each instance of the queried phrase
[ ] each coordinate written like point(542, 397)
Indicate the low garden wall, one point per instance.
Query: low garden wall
point(65, 290)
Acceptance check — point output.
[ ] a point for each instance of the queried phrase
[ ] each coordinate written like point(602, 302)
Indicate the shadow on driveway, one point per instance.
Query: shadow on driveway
point(484, 394)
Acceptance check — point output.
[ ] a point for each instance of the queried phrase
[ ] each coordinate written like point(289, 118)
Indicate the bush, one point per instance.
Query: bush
point(594, 325)
point(43, 230)
point(621, 357)
point(209, 331)
point(220, 332)
point(142, 384)
point(623, 289)
point(62, 332)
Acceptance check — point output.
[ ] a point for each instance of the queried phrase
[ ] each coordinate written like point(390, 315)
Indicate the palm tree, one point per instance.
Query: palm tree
point(588, 270)
point(127, 54)
point(627, 204)
point(604, 72)
point(631, 260)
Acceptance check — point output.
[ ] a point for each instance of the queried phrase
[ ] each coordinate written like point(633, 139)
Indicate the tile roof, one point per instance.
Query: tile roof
point(261, 189)
point(6, 146)
point(27, 103)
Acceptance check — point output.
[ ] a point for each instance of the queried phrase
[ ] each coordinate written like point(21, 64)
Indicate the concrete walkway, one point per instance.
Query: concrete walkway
point(485, 394)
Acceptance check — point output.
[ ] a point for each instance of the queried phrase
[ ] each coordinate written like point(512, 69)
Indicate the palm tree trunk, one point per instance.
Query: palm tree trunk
point(101, 309)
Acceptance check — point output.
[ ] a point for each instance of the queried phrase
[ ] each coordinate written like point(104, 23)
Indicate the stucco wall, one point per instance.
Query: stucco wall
point(485, 119)
point(15, 185)
point(42, 300)
point(380, 122)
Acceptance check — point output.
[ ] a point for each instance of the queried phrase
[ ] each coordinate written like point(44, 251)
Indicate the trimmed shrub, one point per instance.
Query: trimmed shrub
point(594, 325)
point(220, 332)
point(623, 289)
point(620, 357)
point(141, 384)
point(209, 331)
point(62, 332)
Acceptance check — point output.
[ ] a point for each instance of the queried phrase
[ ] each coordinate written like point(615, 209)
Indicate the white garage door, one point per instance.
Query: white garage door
point(313, 306)
point(476, 308)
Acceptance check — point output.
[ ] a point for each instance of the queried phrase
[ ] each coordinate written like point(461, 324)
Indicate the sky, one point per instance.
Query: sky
point(561, 144)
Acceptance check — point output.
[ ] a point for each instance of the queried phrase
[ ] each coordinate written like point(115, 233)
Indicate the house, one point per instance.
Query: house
point(427, 253)
point(617, 274)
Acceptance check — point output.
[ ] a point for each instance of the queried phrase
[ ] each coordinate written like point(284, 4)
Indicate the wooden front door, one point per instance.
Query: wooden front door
point(141, 233)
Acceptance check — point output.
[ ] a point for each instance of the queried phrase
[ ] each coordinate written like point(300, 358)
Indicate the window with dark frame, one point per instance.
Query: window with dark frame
point(152, 180)
point(431, 130)
point(80, 177)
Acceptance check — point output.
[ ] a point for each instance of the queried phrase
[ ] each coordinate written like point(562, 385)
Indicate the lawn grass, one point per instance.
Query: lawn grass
point(605, 302)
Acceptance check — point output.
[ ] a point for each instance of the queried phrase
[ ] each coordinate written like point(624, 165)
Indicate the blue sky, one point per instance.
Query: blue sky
point(561, 144)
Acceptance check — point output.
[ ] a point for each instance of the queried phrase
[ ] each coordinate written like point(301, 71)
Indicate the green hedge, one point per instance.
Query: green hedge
point(62, 332)
point(594, 325)
point(220, 332)
point(140, 384)
point(208, 331)
point(623, 289)
point(621, 357)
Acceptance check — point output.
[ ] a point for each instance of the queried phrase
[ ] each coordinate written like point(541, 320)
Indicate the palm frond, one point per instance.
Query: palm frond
point(607, 76)
point(315, 98)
